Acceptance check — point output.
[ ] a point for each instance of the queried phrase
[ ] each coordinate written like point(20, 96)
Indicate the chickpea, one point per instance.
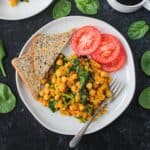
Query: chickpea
point(74, 76)
point(81, 107)
point(77, 97)
point(73, 107)
point(101, 97)
point(89, 86)
point(46, 91)
point(61, 87)
point(64, 79)
point(92, 92)
point(59, 62)
point(73, 88)
point(41, 93)
point(104, 86)
point(78, 84)
point(109, 93)
point(68, 64)
point(57, 97)
point(104, 74)
point(53, 79)
point(46, 97)
point(58, 73)
point(13, 2)
point(47, 85)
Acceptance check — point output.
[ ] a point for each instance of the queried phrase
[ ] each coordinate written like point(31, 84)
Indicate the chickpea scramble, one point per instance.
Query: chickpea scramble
point(75, 86)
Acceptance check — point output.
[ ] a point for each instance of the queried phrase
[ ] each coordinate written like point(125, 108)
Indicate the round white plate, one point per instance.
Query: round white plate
point(22, 10)
point(69, 125)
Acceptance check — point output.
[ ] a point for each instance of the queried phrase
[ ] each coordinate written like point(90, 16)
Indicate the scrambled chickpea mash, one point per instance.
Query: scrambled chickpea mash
point(75, 86)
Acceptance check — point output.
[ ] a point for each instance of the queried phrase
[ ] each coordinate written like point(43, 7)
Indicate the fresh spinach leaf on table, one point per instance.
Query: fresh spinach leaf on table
point(61, 9)
point(7, 99)
point(144, 98)
point(145, 63)
point(138, 30)
point(89, 7)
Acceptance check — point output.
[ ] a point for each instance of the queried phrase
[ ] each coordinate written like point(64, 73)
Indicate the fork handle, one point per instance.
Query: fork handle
point(76, 139)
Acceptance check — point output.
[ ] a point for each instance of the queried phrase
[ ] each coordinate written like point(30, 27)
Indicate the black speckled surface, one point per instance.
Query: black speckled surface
point(20, 131)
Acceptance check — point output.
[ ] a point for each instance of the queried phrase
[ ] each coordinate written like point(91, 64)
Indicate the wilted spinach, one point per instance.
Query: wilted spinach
point(52, 105)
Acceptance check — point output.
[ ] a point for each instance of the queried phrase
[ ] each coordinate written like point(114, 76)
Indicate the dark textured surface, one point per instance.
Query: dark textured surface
point(20, 131)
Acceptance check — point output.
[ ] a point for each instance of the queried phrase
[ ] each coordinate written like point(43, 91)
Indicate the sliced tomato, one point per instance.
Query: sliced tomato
point(108, 51)
point(117, 63)
point(86, 40)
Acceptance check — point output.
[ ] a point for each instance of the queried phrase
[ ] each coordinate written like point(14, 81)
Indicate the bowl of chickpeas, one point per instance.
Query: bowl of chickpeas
point(75, 86)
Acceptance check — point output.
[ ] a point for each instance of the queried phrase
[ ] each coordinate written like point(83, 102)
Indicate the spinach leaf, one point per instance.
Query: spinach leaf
point(89, 7)
point(84, 77)
point(145, 63)
point(76, 61)
point(61, 9)
point(7, 99)
point(138, 29)
point(144, 98)
point(52, 105)
point(89, 109)
point(82, 119)
point(2, 55)
point(83, 99)
point(68, 98)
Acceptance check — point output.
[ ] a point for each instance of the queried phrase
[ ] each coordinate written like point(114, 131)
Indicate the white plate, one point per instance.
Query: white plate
point(69, 125)
point(22, 10)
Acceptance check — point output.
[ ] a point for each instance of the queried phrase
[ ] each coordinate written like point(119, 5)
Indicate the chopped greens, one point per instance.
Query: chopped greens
point(68, 98)
point(84, 77)
point(52, 105)
point(83, 99)
point(82, 119)
point(89, 109)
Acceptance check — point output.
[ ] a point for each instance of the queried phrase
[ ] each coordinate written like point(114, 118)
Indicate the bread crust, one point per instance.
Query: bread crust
point(33, 92)
point(53, 50)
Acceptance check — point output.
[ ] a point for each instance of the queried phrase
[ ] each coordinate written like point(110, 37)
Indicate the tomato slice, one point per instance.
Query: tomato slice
point(86, 40)
point(117, 63)
point(108, 51)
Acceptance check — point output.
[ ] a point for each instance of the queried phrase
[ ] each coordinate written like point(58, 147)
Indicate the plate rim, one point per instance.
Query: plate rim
point(36, 117)
point(22, 18)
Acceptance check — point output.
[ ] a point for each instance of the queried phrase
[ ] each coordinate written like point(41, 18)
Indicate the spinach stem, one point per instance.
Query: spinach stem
point(2, 69)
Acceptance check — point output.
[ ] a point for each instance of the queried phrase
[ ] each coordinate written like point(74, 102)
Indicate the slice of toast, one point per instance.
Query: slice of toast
point(46, 49)
point(23, 66)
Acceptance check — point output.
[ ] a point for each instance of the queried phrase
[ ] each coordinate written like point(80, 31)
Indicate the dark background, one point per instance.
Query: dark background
point(20, 131)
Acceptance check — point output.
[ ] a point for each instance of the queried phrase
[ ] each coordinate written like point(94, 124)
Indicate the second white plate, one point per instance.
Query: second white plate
point(22, 10)
point(69, 125)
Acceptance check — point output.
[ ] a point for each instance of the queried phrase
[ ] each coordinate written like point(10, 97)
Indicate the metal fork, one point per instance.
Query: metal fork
point(116, 88)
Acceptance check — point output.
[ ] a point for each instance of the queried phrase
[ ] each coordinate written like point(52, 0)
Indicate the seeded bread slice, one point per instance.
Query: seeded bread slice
point(46, 49)
point(23, 66)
